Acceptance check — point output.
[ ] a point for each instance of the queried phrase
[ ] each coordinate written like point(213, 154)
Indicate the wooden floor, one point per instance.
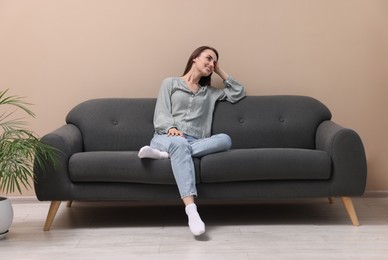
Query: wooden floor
point(297, 229)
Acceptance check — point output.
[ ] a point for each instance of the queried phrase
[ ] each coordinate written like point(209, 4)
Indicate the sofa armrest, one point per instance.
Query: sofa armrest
point(349, 168)
point(52, 182)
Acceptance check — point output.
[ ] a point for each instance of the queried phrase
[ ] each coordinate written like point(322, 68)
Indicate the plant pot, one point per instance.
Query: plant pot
point(6, 216)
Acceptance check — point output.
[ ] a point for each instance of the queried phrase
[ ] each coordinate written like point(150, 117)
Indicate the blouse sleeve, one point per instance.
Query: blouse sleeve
point(163, 119)
point(233, 91)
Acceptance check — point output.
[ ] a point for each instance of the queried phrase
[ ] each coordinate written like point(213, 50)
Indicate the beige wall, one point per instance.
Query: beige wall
point(59, 53)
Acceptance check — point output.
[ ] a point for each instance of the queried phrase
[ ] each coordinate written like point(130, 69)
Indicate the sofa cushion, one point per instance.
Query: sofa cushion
point(265, 164)
point(120, 167)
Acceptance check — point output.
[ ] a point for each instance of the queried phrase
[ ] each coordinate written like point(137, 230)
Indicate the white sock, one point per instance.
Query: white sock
point(148, 152)
point(196, 224)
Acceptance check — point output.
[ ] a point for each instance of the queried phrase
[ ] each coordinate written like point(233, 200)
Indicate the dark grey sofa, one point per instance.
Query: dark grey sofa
point(283, 147)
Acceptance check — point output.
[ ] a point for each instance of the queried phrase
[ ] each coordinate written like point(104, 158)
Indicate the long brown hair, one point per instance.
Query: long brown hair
point(204, 81)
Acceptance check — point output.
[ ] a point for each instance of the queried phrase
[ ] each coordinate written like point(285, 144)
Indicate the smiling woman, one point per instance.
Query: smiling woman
point(199, 56)
point(182, 121)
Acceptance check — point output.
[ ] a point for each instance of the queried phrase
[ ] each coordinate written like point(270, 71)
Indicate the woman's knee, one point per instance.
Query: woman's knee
point(225, 140)
point(178, 144)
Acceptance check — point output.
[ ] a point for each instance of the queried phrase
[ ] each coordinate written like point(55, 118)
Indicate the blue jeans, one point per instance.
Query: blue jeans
point(181, 151)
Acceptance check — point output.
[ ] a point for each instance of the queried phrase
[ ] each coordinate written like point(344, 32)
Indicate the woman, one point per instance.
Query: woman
point(183, 119)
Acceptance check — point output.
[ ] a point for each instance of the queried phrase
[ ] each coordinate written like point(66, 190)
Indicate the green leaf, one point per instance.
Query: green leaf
point(20, 148)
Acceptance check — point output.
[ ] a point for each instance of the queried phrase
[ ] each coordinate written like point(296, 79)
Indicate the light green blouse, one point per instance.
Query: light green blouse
point(191, 113)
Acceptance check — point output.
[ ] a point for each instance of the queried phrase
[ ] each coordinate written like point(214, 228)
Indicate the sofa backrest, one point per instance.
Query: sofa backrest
point(114, 124)
point(126, 124)
point(271, 121)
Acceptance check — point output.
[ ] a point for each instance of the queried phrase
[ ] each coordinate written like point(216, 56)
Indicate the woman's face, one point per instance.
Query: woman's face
point(206, 62)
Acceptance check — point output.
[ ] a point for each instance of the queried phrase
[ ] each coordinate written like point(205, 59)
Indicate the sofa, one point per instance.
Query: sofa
point(284, 146)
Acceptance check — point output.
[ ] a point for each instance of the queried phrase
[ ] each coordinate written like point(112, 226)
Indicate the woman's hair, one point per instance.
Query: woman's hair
point(204, 81)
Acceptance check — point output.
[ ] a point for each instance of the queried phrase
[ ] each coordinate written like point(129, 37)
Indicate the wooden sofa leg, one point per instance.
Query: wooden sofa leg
point(350, 209)
point(331, 200)
point(54, 206)
point(69, 203)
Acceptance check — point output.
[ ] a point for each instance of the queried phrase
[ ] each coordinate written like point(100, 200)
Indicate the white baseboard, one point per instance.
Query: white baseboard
point(376, 194)
point(23, 199)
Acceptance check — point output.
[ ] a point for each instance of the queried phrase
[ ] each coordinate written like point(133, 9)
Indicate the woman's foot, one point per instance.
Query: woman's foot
point(196, 225)
point(148, 152)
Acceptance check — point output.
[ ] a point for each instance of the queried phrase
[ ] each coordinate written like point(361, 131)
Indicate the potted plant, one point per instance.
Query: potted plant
point(20, 149)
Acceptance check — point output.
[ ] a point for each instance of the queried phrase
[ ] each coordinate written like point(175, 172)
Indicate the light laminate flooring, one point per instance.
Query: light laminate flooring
point(279, 229)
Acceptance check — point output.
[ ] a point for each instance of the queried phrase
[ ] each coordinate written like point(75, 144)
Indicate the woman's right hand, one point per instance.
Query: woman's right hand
point(174, 132)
